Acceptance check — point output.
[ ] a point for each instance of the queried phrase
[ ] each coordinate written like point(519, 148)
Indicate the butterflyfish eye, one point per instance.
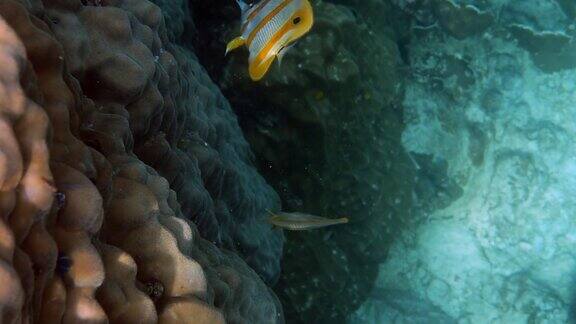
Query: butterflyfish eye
point(296, 20)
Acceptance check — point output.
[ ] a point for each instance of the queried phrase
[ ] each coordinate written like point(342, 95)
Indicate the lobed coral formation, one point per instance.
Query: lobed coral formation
point(89, 232)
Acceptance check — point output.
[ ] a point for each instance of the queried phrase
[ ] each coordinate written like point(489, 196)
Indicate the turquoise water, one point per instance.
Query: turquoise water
point(444, 130)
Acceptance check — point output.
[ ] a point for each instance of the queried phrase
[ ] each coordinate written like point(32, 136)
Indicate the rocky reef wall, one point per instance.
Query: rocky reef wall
point(127, 189)
point(327, 126)
point(490, 96)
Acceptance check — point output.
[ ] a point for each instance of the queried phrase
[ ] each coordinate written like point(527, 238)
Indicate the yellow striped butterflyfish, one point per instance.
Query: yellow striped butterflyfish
point(269, 29)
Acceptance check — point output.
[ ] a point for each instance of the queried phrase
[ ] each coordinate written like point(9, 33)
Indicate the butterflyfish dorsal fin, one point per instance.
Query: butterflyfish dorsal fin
point(243, 6)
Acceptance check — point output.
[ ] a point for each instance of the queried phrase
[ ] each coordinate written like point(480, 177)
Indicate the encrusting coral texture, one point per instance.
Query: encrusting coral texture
point(93, 97)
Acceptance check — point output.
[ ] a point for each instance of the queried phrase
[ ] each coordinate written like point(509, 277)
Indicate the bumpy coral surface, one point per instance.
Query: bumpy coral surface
point(92, 98)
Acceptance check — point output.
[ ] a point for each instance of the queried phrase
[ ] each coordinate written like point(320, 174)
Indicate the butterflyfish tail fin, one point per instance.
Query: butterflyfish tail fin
point(234, 44)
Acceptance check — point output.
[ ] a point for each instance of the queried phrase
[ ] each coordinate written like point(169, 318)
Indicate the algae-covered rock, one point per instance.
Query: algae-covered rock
point(494, 142)
point(569, 7)
point(461, 21)
point(550, 51)
point(325, 128)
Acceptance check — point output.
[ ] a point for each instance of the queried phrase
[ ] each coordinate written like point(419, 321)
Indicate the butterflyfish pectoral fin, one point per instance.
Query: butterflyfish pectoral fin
point(283, 52)
point(234, 44)
point(280, 57)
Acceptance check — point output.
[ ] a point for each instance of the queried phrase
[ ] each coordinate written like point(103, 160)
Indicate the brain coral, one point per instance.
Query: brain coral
point(97, 209)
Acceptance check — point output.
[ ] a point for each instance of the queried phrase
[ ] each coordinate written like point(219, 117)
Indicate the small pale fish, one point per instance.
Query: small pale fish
point(300, 222)
point(269, 29)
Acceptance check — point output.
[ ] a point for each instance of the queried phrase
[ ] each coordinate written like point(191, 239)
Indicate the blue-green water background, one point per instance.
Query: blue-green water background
point(443, 130)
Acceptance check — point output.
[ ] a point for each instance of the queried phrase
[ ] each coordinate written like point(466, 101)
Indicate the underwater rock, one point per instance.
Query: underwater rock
point(326, 128)
point(478, 141)
point(550, 51)
point(539, 15)
point(461, 21)
point(569, 7)
point(501, 250)
point(433, 188)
